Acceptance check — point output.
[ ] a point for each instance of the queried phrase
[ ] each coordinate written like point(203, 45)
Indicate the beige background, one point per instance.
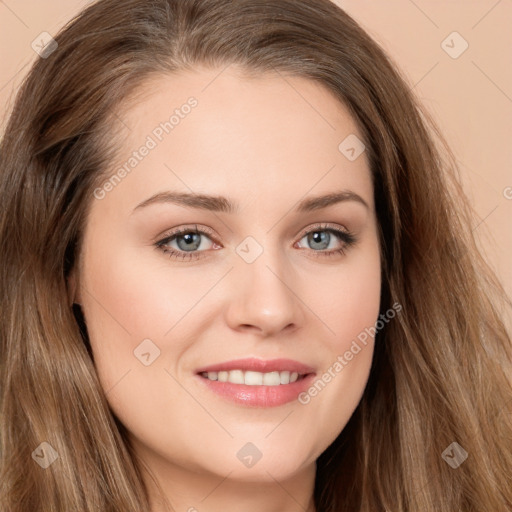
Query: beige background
point(470, 96)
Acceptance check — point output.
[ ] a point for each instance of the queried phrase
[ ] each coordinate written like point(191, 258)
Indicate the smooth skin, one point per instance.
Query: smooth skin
point(265, 143)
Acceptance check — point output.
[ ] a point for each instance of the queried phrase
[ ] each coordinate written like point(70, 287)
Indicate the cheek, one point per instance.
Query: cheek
point(129, 307)
point(138, 310)
point(347, 297)
point(349, 310)
point(134, 296)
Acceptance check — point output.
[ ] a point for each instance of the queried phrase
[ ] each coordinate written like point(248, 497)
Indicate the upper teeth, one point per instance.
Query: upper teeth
point(253, 378)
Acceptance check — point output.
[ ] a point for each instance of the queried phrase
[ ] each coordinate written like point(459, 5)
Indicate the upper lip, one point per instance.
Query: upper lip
point(259, 365)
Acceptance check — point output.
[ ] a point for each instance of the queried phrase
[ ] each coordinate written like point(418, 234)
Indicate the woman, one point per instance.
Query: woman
point(184, 330)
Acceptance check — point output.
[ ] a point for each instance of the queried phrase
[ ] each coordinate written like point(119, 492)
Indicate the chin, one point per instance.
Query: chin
point(248, 463)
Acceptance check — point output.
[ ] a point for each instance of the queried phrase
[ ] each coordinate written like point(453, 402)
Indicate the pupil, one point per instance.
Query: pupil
point(320, 237)
point(189, 241)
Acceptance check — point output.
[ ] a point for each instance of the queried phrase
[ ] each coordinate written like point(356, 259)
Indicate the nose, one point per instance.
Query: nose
point(263, 297)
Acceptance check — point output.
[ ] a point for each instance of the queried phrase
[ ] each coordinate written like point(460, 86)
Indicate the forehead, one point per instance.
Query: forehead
point(222, 130)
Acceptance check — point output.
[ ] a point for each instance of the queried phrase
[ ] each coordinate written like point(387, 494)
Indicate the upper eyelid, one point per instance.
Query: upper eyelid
point(188, 229)
point(323, 226)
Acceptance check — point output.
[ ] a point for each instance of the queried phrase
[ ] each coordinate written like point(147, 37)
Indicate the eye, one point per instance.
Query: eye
point(324, 236)
point(188, 241)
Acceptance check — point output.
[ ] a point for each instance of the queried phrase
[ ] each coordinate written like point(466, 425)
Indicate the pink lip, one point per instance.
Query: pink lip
point(259, 396)
point(259, 365)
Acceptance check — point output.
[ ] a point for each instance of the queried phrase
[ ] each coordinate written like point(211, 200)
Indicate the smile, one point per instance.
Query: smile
point(257, 382)
point(251, 378)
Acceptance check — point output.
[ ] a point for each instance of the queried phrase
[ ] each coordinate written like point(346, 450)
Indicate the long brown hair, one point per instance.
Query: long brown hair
point(439, 373)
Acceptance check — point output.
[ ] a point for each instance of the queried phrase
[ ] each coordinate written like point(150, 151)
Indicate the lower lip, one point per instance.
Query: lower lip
point(259, 396)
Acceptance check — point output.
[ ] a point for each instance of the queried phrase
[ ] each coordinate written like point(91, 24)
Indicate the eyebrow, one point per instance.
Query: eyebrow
point(225, 205)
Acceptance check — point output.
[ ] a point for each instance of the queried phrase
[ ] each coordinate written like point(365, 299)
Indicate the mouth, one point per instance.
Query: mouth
point(256, 382)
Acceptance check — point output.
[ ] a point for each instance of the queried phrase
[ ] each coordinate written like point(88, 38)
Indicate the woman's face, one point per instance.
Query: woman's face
point(275, 281)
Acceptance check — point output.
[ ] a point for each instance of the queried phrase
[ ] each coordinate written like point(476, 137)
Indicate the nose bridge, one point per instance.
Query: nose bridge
point(263, 294)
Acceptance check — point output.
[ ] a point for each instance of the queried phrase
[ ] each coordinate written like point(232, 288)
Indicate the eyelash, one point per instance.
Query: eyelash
point(345, 236)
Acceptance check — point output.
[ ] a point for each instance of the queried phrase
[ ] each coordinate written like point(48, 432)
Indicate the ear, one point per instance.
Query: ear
point(73, 288)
